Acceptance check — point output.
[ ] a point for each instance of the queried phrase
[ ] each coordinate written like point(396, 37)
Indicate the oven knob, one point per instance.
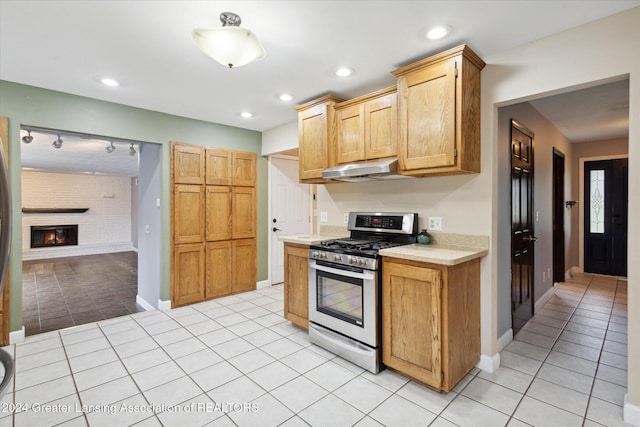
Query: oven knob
point(353, 260)
point(337, 258)
point(314, 254)
point(362, 262)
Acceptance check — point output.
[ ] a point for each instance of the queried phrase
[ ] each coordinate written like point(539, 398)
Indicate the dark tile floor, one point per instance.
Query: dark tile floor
point(62, 292)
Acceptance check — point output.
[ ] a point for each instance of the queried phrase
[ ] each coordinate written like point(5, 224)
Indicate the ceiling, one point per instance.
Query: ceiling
point(70, 46)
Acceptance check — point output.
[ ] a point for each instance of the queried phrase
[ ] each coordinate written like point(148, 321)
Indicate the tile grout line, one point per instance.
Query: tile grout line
point(511, 417)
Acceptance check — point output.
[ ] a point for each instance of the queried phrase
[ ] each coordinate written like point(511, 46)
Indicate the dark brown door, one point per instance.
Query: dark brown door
point(558, 216)
point(605, 212)
point(522, 236)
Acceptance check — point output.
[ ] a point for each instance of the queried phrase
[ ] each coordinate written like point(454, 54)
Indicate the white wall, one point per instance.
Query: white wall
point(105, 226)
point(599, 52)
point(280, 138)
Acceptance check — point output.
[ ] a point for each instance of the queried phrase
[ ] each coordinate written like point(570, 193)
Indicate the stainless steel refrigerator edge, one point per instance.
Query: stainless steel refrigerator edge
point(5, 246)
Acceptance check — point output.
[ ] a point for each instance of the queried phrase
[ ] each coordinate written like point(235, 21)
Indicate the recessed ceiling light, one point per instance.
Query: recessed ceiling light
point(246, 115)
point(436, 33)
point(110, 82)
point(344, 72)
point(286, 97)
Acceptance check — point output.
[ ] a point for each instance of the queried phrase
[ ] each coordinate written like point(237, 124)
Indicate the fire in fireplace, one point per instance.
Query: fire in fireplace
point(53, 235)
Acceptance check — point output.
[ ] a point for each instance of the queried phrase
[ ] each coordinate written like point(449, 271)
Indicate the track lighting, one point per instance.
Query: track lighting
point(132, 150)
point(27, 138)
point(57, 144)
point(111, 148)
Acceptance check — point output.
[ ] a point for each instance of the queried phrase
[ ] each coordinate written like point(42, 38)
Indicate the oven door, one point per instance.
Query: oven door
point(345, 300)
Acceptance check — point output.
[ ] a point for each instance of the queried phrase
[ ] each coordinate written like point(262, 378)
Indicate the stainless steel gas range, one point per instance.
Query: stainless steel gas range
point(344, 285)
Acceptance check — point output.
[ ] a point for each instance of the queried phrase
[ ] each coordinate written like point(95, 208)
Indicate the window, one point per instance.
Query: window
point(596, 223)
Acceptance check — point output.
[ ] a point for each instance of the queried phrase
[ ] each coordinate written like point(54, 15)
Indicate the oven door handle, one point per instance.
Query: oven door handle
point(366, 274)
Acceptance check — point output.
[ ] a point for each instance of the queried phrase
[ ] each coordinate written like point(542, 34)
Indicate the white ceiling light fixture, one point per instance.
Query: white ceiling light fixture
point(111, 148)
point(246, 115)
point(285, 97)
point(110, 82)
point(229, 45)
point(57, 144)
point(438, 32)
point(344, 72)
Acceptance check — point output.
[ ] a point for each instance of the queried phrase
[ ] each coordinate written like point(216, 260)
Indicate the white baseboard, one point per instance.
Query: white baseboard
point(142, 302)
point(16, 337)
point(164, 305)
point(631, 412)
point(505, 339)
point(543, 299)
point(263, 284)
point(489, 363)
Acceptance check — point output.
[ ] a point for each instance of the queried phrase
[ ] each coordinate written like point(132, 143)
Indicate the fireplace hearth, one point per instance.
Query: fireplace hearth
point(53, 235)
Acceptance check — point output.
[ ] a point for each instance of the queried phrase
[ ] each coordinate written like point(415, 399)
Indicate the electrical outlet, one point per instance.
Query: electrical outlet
point(324, 217)
point(346, 218)
point(435, 223)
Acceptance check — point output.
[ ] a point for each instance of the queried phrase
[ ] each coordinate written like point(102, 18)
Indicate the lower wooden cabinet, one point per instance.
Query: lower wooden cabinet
point(230, 267)
point(188, 271)
point(296, 286)
point(431, 320)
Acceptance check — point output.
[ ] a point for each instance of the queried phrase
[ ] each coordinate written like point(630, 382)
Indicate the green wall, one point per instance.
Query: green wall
point(28, 105)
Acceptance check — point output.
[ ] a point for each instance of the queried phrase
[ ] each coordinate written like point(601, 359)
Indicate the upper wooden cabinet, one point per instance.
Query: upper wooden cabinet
point(187, 164)
point(439, 114)
point(243, 169)
point(366, 127)
point(218, 166)
point(229, 167)
point(316, 124)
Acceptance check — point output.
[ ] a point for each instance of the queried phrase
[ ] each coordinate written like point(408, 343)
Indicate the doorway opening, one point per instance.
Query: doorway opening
point(95, 185)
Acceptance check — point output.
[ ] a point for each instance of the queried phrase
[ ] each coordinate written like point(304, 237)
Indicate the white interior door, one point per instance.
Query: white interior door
point(289, 210)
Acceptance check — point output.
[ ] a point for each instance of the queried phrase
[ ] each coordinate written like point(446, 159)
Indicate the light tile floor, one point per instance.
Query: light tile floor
point(236, 361)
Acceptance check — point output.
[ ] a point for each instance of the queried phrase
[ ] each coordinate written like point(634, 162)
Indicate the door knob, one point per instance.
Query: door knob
point(530, 238)
point(276, 229)
point(275, 220)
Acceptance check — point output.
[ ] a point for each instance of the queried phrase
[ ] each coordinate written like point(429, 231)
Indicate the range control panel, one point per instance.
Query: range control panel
point(404, 223)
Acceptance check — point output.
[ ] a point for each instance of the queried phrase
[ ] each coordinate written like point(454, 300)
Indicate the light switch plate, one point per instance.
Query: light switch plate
point(435, 223)
point(324, 217)
point(346, 218)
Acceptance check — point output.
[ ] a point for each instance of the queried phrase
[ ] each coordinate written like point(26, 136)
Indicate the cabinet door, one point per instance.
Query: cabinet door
point(188, 214)
point(350, 134)
point(218, 272)
point(411, 321)
point(218, 212)
point(218, 166)
point(243, 212)
point(313, 142)
point(381, 127)
point(296, 284)
point(427, 117)
point(188, 164)
point(188, 271)
point(244, 169)
point(244, 265)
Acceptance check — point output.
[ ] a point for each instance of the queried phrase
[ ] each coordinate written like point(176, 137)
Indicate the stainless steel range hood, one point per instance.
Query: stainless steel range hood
point(364, 171)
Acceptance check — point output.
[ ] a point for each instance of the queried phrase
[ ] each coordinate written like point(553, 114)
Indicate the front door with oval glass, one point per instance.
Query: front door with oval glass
point(605, 216)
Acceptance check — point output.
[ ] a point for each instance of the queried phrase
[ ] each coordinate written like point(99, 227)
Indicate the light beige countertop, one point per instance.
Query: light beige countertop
point(436, 254)
point(308, 239)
